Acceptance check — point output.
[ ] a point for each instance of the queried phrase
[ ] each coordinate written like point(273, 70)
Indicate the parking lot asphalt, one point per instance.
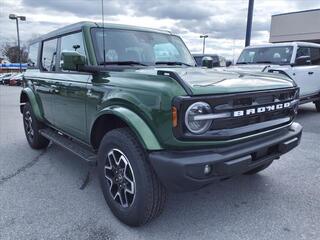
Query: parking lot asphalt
point(43, 195)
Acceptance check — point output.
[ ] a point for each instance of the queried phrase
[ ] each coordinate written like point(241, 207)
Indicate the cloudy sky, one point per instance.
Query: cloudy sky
point(223, 20)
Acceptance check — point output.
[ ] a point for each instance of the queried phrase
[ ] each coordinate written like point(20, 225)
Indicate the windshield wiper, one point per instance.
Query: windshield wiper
point(173, 63)
point(123, 63)
point(242, 62)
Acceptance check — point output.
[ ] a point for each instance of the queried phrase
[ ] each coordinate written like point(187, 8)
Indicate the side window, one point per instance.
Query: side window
point(33, 55)
point(315, 56)
point(49, 53)
point(72, 42)
point(303, 51)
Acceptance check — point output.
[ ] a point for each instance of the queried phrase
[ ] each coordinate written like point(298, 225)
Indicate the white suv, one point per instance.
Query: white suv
point(298, 60)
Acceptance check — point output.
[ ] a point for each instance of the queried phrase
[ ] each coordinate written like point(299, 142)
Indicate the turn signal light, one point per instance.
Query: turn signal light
point(174, 116)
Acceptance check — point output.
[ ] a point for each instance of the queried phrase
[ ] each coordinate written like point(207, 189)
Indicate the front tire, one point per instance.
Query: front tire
point(317, 103)
point(128, 182)
point(32, 127)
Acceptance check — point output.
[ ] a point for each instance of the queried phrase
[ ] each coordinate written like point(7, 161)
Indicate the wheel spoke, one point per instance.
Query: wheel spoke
point(120, 177)
point(123, 198)
point(28, 125)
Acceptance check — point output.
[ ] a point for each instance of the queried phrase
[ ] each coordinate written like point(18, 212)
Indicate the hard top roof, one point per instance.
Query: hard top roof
point(307, 44)
point(78, 26)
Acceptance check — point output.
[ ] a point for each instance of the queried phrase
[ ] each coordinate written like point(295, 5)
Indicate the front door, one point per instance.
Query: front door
point(307, 76)
point(69, 106)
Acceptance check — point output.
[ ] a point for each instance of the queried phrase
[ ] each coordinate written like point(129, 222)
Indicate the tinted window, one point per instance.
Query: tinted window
point(73, 42)
point(315, 56)
point(33, 55)
point(49, 52)
point(303, 51)
point(311, 52)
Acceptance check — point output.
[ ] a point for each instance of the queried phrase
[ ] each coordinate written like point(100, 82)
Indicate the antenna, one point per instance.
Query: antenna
point(103, 37)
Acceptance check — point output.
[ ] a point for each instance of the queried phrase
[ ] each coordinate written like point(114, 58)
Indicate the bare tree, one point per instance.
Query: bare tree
point(11, 52)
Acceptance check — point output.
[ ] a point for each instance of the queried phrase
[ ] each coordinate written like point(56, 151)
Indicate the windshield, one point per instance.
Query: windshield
point(139, 47)
point(272, 55)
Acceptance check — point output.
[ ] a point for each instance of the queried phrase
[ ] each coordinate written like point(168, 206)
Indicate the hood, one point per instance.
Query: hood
point(203, 81)
point(248, 67)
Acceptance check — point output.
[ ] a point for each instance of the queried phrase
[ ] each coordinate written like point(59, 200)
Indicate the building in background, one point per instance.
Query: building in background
point(296, 26)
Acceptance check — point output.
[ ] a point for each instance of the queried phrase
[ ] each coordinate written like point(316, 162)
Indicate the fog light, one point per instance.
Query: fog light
point(207, 169)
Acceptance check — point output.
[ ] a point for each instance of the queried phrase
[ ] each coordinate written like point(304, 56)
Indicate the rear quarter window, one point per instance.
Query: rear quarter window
point(49, 55)
point(33, 55)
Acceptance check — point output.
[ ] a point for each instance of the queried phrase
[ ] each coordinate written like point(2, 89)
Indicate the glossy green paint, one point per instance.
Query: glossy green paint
point(91, 57)
point(204, 81)
point(134, 121)
point(141, 98)
point(33, 101)
point(149, 97)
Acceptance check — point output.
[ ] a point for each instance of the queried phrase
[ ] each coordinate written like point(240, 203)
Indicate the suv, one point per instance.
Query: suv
point(299, 61)
point(217, 61)
point(131, 101)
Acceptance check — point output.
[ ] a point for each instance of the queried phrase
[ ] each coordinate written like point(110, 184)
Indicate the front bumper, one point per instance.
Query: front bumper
point(184, 170)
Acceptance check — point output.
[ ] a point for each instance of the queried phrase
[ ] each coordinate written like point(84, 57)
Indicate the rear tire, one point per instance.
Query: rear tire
point(317, 103)
point(129, 184)
point(32, 127)
point(258, 169)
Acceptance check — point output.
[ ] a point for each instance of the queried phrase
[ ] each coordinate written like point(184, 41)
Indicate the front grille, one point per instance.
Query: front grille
point(234, 127)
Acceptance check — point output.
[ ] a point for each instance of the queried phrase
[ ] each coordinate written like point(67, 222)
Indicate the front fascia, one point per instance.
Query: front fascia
point(212, 139)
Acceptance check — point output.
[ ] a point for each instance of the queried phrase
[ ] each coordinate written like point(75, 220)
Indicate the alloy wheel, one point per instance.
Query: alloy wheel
point(28, 125)
point(119, 174)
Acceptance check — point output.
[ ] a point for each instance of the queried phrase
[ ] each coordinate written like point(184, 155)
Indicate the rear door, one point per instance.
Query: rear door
point(43, 79)
point(69, 107)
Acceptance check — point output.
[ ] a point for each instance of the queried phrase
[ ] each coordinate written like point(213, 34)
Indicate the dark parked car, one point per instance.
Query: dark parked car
point(16, 80)
point(6, 79)
point(4, 75)
point(217, 60)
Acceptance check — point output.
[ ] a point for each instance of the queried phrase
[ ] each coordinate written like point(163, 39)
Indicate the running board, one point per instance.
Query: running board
point(74, 147)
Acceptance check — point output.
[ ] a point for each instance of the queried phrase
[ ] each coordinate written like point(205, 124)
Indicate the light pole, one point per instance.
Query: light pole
point(204, 42)
point(249, 22)
point(22, 18)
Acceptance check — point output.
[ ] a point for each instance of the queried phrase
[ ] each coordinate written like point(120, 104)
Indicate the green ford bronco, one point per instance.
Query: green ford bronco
point(130, 101)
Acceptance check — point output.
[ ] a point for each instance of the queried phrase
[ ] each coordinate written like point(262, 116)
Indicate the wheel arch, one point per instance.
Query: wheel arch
point(27, 95)
point(117, 117)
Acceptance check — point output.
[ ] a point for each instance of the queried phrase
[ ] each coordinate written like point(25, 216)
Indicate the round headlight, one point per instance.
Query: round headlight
point(197, 109)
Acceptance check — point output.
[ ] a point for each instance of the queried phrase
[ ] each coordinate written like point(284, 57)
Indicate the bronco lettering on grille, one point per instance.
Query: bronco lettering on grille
point(259, 110)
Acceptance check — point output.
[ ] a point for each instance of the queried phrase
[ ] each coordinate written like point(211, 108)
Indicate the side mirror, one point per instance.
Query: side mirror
point(207, 62)
point(228, 63)
point(72, 60)
point(303, 60)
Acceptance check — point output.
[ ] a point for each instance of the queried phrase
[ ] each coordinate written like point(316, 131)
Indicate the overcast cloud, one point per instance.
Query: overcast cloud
point(223, 20)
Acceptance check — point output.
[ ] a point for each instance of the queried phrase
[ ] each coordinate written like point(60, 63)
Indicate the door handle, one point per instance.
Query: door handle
point(310, 73)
